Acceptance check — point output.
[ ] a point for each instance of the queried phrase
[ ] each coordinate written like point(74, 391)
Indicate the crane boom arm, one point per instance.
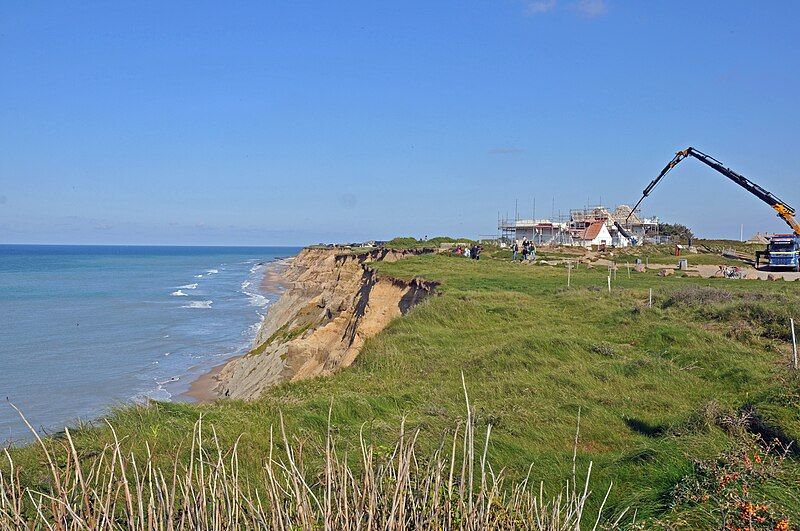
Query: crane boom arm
point(785, 212)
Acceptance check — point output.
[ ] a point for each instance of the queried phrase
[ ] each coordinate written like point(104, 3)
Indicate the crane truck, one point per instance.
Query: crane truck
point(783, 250)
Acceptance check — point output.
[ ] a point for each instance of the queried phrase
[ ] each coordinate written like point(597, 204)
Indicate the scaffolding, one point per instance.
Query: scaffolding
point(540, 231)
point(567, 230)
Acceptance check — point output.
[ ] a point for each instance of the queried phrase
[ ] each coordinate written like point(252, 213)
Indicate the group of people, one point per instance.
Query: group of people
point(526, 250)
point(473, 251)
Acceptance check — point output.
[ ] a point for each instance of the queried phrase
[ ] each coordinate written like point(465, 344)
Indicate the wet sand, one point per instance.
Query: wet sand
point(203, 390)
point(273, 281)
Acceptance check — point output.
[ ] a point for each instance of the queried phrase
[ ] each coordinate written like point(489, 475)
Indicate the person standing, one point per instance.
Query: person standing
point(514, 251)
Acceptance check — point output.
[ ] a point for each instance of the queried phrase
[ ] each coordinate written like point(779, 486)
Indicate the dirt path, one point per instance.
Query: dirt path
point(708, 271)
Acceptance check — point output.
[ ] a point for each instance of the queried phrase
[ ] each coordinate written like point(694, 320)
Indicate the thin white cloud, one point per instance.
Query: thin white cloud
point(506, 150)
point(590, 8)
point(538, 7)
point(584, 8)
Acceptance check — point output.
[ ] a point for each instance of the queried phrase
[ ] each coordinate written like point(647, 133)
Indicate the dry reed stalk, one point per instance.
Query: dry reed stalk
point(404, 490)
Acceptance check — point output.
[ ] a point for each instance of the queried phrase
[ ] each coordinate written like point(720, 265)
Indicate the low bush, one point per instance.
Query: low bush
point(696, 296)
point(727, 489)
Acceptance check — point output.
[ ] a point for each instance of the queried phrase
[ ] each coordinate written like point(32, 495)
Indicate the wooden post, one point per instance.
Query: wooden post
point(794, 346)
point(569, 271)
point(615, 271)
point(628, 265)
point(650, 300)
point(609, 283)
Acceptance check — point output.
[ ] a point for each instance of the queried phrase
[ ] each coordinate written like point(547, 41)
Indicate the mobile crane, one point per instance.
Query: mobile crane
point(783, 250)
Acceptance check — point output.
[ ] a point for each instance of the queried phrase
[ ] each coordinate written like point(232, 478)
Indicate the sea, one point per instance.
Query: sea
point(84, 329)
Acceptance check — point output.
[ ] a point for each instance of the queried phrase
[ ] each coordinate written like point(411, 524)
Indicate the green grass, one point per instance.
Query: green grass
point(408, 242)
point(534, 353)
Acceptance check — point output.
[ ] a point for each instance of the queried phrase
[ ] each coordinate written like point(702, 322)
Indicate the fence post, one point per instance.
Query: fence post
point(569, 271)
point(650, 299)
point(794, 346)
point(609, 283)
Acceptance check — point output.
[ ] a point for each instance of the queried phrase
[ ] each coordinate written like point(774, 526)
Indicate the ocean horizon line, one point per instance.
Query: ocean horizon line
point(299, 246)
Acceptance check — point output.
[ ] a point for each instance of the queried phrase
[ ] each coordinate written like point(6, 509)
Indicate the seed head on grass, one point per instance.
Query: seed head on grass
point(454, 487)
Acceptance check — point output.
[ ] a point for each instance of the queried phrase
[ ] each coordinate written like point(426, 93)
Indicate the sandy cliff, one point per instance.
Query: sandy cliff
point(334, 301)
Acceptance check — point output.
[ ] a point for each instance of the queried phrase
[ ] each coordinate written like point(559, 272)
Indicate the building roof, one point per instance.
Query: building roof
point(530, 224)
point(593, 230)
point(759, 239)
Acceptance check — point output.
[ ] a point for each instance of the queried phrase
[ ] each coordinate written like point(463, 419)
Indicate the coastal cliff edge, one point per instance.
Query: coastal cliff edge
point(333, 302)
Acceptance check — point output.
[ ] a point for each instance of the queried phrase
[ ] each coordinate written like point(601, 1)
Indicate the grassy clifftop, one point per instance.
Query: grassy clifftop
point(670, 397)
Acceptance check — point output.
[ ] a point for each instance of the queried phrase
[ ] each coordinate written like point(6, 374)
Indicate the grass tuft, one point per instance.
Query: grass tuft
point(455, 486)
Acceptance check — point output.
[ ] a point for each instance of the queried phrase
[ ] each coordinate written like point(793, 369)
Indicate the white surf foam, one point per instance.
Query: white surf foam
point(159, 393)
point(178, 293)
point(188, 286)
point(252, 330)
point(199, 304)
point(212, 271)
point(256, 299)
point(198, 276)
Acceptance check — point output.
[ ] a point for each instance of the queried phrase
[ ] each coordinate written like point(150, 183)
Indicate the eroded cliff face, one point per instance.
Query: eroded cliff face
point(333, 303)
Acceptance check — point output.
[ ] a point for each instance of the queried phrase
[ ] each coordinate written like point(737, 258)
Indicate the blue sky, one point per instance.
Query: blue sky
point(295, 122)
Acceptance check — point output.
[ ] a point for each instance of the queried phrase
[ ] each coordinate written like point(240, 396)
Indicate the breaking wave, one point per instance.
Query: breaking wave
point(199, 304)
point(256, 299)
point(178, 293)
point(188, 286)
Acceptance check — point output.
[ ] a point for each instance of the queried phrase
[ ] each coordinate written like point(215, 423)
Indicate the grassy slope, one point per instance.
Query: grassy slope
point(532, 353)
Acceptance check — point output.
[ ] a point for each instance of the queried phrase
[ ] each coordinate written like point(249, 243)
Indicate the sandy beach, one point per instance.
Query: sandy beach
point(273, 281)
point(203, 389)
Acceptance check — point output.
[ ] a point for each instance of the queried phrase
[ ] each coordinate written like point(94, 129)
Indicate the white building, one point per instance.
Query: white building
point(620, 228)
point(596, 233)
point(540, 232)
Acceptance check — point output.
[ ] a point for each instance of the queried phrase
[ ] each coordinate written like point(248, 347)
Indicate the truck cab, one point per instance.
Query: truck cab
point(783, 252)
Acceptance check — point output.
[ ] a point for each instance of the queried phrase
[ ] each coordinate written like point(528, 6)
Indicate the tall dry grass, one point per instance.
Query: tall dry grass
point(454, 488)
